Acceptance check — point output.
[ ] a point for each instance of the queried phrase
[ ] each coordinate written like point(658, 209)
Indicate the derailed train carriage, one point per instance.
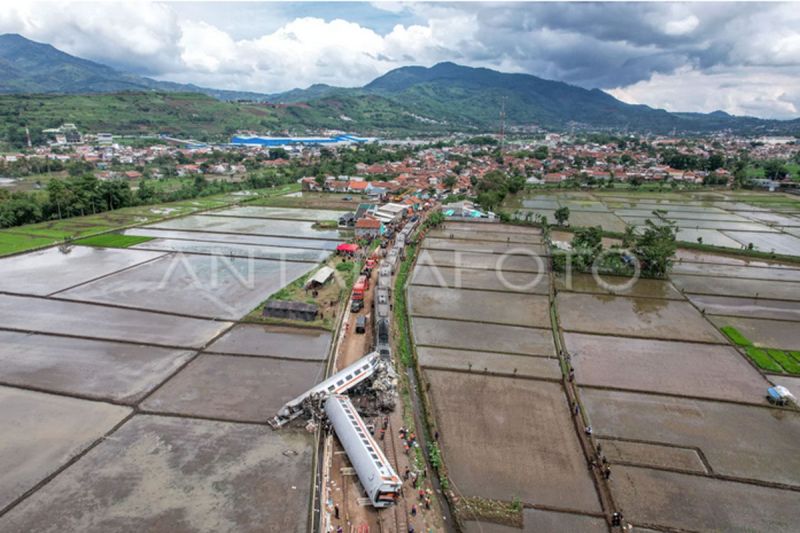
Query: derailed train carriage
point(380, 481)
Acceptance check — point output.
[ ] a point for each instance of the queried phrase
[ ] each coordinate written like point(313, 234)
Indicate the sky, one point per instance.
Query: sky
point(743, 58)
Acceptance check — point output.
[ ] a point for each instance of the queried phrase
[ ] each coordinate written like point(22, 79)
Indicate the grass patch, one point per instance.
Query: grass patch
point(788, 362)
point(736, 336)
point(113, 240)
point(795, 355)
point(15, 242)
point(400, 307)
point(762, 359)
point(499, 512)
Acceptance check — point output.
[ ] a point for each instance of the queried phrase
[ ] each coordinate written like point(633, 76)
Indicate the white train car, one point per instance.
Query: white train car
point(339, 383)
point(380, 481)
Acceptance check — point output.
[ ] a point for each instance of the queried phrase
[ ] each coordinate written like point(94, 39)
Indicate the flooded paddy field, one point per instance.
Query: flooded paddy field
point(643, 288)
point(115, 371)
point(730, 436)
point(746, 288)
point(164, 474)
point(695, 503)
point(766, 333)
point(103, 324)
point(654, 455)
point(286, 213)
point(486, 237)
point(479, 336)
point(768, 272)
point(35, 272)
point(208, 286)
point(683, 255)
point(482, 229)
point(41, 433)
point(274, 341)
point(507, 438)
point(235, 250)
point(679, 368)
point(707, 236)
point(231, 238)
point(249, 226)
point(634, 317)
point(747, 307)
point(540, 521)
point(482, 261)
point(489, 280)
point(242, 389)
point(473, 305)
point(489, 362)
point(481, 246)
point(779, 243)
point(97, 321)
point(725, 219)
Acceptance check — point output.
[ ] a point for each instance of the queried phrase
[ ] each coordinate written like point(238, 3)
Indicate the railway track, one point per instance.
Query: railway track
point(399, 510)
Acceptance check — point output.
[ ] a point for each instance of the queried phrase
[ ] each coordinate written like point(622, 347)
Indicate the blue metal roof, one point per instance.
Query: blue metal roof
point(283, 141)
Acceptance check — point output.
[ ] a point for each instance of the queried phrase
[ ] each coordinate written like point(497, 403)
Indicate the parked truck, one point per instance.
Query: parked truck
point(359, 292)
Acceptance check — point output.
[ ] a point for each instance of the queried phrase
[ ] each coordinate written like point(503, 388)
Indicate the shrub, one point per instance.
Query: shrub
point(762, 359)
point(735, 336)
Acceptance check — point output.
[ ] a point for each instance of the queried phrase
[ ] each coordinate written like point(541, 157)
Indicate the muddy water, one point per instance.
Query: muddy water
point(248, 226)
point(467, 278)
point(508, 438)
point(243, 389)
point(277, 341)
point(483, 261)
point(41, 432)
point(281, 213)
point(689, 502)
point(747, 307)
point(703, 370)
point(229, 238)
point(73, 318)
point(492, 247)
point(163, 474)
point(500, 307)
point(779, 243)
point(208, 286)
point(105, 370)
point(749, 288)
point(772, 272)
point(730, 435)
point(242, 250)
point(511, 365)
point(33, 273)
point(482, 337)
point(644, 288)
point(635, 317)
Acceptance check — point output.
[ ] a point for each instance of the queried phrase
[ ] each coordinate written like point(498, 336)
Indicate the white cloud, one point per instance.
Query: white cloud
point(682, 26)
point(753, 92)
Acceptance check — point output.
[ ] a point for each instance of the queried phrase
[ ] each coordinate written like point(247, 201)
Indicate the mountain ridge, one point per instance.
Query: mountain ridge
point(451, 96)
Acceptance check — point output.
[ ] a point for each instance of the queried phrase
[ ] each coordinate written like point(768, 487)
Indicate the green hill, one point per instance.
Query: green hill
point(409, 100)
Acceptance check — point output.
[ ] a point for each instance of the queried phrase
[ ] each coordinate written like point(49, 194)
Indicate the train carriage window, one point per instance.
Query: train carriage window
point(331, 388)
point(357, 372)
point(349, 376)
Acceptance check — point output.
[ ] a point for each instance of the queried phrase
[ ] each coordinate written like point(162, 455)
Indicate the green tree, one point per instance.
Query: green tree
point(586, 246)
point(562, 215)
point(775, 169)
point(655, 247)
